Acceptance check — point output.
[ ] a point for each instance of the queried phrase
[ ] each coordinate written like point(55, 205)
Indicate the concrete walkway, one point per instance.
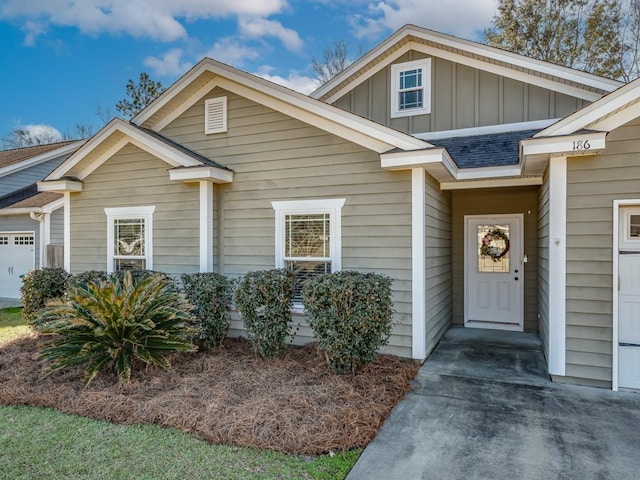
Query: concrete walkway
point(483, 408)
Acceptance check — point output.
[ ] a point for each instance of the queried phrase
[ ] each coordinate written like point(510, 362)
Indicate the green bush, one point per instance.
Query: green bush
point(90, 276)
point(264, 300)
point(39, 287)
point(351, 316)
point(117, 325)
point(210, 294)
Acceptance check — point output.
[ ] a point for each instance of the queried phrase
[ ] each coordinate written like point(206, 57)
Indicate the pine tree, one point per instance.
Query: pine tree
point(140, 95)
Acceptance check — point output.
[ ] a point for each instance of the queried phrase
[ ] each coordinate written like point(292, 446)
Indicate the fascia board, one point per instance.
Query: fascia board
point(20, 211)
point(565, 145)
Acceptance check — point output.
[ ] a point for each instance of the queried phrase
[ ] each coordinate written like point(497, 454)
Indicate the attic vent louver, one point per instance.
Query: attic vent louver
point(215, 115)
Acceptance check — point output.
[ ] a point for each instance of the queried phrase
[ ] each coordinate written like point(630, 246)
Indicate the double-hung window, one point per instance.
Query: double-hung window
point(410, 88)
point(308, 239)
point(129, 238)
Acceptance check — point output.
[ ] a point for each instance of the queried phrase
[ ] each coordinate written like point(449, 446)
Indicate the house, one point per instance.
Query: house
point(497, 191)
point(31, 223)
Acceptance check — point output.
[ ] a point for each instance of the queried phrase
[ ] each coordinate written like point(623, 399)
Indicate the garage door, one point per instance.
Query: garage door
point(17, 257)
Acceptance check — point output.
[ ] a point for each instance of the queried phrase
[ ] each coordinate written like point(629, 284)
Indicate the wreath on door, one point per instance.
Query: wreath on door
point(489, 247)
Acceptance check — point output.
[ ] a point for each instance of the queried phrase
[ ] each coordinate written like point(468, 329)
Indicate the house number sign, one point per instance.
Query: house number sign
point(581, 145)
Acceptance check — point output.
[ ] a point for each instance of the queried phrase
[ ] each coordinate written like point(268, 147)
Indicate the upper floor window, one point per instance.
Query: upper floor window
point(411, 88)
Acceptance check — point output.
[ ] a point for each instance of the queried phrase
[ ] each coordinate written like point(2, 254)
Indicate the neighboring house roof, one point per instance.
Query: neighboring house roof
point(16, 155)
point(410, 37)
point(490, 150)
point(17, 159)
point(28, 197)
point(208, 74)
point(604, 115)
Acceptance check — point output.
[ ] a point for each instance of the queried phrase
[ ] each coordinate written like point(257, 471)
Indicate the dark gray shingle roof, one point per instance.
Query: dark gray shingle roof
point(490, 150)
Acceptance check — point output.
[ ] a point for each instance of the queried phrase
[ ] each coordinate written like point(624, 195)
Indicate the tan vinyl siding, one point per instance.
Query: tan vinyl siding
point(497, 201)
point(131, 178)
point(276, 157)
point(57, 227)
point(461, 97)
point(543, 262)
point(438, 262)
point(593, 183)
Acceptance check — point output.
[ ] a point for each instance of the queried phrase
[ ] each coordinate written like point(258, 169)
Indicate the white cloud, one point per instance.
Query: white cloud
point(294, 81)
point(45, 133)
point(32, 31)
point(171, 63)
point(463, 18)
point(229, 50)
point(155, 19)
point(261, 27)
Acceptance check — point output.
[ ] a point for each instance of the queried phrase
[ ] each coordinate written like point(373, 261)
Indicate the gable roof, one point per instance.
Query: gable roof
point(410, 37)
point(27, 198)
point(604, 115)
point(208, 74)
point(20, 158)
point(114, 136)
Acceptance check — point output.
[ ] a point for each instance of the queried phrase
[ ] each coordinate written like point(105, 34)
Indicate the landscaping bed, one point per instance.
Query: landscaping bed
point(226, 395)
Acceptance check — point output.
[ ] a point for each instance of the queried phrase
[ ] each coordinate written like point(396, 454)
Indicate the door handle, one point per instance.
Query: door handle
point(515, 278)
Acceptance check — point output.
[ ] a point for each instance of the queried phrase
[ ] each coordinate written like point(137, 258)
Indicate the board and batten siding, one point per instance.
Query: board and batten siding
point(497, 201)
point(276, 157)
point(593, 183)
point(438, 262)
point(461, 97)
point(543, 262)
point(15, 181)
point(133, 178)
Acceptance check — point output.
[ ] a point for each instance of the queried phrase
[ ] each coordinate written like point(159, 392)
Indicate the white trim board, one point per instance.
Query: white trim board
point(486, 130)
point(418, 265)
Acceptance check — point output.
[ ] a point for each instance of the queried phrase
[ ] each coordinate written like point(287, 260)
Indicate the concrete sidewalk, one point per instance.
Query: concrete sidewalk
point(484, 409)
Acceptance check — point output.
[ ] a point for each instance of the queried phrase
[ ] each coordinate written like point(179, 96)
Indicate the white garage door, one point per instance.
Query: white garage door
point(17, 257)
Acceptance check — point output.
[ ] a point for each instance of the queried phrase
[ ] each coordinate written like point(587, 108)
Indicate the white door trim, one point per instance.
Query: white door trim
point(467, 261)
point(616, 272)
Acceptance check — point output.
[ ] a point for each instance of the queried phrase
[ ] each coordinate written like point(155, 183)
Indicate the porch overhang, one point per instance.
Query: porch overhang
point(60, 186)
point(200, 173)
point(535, 152)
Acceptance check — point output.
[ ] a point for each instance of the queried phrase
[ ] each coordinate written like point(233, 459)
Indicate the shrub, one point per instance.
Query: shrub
point(90, 276)
point(117, 325)
point(210, 294)
point(264, 300)
point(40, 286)
point(351, 316)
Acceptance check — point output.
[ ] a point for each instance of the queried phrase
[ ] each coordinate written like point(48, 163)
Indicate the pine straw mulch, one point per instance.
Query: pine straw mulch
point(227, 395)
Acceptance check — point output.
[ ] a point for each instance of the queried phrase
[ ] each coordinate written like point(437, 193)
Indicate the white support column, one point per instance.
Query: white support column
point(418, 263)
point(557, 264)
point(67, 231)
point(206, 226)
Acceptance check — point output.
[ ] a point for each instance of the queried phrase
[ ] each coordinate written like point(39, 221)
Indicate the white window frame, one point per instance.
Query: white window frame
point(424, 65)
point(626, 242)
point(331, 206)
point(130, 213)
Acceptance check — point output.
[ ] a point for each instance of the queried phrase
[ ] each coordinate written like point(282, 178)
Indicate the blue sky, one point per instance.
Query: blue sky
point(62, 59)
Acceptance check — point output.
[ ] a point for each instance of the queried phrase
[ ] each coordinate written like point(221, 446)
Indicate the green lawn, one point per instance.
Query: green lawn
point(43, 443)
point(12, 325)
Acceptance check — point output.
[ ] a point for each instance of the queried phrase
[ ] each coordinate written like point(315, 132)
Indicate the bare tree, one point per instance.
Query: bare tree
point(334, 60)
point(20, 137)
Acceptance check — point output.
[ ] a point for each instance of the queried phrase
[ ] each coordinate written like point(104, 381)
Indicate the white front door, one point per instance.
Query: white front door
point(629, 320)
point(17, 257)
point(494, 272)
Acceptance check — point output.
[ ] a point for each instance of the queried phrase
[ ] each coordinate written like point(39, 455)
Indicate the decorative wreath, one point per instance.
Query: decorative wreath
point(489, 248)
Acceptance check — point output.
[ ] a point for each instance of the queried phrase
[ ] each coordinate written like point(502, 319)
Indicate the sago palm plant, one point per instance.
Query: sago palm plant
point(116, 325)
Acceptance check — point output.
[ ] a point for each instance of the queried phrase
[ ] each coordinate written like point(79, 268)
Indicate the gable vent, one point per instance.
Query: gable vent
point(215, 115)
